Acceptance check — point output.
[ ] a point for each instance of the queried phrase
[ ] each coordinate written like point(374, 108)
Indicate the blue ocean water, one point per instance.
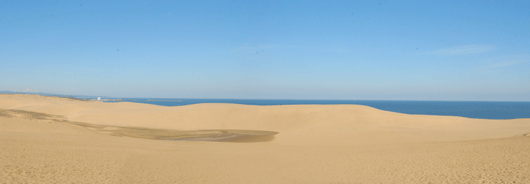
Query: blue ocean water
point(469, 109)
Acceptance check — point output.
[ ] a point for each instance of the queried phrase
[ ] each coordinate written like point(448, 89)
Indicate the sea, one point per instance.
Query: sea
point(469, 109)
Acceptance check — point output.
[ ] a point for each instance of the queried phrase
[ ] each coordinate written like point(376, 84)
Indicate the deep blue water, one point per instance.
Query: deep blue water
point(481, 110)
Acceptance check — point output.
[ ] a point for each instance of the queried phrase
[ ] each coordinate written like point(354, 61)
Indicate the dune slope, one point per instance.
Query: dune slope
point(56, 140)
point(296, 124)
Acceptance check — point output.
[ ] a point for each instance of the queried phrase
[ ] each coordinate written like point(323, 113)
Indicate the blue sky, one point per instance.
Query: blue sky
point(360, 50)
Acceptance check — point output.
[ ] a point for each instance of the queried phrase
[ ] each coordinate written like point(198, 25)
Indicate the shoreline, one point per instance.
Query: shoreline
point(467, 109)
point(284, 118)
point(57, 140)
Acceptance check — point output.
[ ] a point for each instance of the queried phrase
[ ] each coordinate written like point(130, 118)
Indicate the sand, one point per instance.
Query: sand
point(58, 140)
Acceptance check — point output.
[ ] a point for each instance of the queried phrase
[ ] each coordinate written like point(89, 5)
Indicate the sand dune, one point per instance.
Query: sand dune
point(296, 124)
point(58, 140)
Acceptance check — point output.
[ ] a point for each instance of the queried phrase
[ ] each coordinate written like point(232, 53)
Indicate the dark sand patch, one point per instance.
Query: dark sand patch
point(5, 113)
point(214, 135)
point(10, 113)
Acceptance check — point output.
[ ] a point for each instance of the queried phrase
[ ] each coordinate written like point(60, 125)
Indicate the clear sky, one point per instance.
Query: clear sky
point(360, 50)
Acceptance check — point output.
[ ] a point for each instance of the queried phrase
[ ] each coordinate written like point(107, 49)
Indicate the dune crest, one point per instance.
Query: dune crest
point(56, 140)
point(297, 124)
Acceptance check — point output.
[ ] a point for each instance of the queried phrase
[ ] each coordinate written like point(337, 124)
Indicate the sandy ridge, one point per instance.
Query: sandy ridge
point(41, 143)
point(296, 124)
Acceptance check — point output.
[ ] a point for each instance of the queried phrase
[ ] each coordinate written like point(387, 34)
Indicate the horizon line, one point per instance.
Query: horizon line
point(95, 96)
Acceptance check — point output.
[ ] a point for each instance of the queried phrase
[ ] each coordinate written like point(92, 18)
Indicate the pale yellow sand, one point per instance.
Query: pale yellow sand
point(314, 144)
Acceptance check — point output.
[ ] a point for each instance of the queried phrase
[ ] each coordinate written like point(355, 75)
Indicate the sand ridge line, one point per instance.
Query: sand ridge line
point(298, 124)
